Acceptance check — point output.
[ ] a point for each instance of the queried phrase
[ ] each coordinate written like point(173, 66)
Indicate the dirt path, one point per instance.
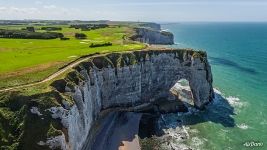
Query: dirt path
point(51, 77)
point(61, 71)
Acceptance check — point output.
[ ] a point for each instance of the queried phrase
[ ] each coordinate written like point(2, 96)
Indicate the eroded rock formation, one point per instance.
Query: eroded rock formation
point(124, 80)
point(153, 35)
point(153, 26)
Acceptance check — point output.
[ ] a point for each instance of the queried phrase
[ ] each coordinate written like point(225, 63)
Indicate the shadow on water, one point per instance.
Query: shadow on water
point(229, 63)
point(219, 112)
point(120, 127)
point(116, 128)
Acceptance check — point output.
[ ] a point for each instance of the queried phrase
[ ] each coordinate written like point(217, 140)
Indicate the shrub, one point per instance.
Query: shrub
point(64, 38)
point(51, 28)
point(30, 29)
point(24, 34)
point(100, 44)
point(87, 27)
point(80, 36)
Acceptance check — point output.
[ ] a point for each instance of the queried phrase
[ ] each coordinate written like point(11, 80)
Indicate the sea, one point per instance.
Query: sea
point(237, 118)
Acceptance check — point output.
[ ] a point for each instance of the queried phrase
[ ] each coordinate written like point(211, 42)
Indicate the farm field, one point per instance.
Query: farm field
point(29, 60)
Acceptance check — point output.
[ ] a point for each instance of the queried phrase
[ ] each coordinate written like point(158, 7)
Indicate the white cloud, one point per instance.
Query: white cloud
point(143, 10)
point(2, 9)
point(44, 12)
point(49, 6)
point(17, 10)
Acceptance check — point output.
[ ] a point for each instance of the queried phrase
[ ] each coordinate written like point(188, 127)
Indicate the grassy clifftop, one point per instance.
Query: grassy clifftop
point(29, 60)
point(21, 129)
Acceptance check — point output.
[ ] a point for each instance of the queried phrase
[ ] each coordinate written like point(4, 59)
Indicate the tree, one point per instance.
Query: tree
point(100, 44)
point(80, 36)
point(64, 38)
point(24, 34)
point(51, 28)
point(30, 29)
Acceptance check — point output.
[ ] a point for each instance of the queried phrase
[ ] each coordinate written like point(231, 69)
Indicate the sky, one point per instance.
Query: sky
point(136, 10)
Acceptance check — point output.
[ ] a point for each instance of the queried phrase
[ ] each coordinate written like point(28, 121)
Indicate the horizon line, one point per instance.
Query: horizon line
point(196, 21)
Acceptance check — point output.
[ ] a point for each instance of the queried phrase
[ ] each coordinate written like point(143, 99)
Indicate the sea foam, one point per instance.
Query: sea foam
point(181, 136)
point(243, 126)
point(233, 101)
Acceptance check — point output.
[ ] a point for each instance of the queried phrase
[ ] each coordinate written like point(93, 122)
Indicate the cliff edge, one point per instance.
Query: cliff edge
point(103, 92)
point(125, 80)
point(152, 34)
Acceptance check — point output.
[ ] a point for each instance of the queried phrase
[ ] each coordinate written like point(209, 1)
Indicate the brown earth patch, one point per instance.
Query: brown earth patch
point(5, 49)
point(32, 69)
point(69, 34)
point(106, 34)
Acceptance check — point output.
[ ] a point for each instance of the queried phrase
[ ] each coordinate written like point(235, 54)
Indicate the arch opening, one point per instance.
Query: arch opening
point(182, 91)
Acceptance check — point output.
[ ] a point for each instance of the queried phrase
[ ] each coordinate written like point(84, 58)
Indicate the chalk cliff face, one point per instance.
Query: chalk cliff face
point(124, 80)
point(153, 26)
point(151, 36)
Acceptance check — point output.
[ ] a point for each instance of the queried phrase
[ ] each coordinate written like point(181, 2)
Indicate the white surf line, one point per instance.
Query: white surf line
point(187, 134)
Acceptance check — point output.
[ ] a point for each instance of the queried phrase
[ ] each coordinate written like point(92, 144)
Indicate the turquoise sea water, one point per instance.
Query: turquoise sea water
point(238, 56)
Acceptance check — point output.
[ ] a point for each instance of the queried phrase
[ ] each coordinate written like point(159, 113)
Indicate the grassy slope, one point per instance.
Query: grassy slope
point(19, 128)
point(29, 60)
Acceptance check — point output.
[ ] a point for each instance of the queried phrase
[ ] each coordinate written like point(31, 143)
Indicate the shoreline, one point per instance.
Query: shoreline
point(121, 133)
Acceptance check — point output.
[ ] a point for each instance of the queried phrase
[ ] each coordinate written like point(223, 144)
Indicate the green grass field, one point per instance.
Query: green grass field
point(29, 60)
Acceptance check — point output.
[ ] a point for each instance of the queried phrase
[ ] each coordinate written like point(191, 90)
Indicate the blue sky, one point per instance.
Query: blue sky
point(136, 10)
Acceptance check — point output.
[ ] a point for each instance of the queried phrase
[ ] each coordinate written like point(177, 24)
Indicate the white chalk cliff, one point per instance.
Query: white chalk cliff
point(124, 80)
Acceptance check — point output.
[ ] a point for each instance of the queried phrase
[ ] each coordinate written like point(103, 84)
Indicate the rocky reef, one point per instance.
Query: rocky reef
point(126, 81)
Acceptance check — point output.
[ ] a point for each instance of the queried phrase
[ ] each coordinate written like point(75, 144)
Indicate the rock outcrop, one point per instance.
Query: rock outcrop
point(151, 25)
point(126, 79)
point(151, 36)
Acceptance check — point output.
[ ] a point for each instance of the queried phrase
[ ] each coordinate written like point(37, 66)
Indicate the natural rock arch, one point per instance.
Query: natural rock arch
point(129, 79)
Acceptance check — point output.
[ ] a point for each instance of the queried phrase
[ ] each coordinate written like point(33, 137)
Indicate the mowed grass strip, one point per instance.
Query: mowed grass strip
point(22, 61)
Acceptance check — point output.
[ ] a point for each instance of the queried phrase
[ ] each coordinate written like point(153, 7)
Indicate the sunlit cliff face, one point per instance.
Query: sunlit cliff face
point(127, 80)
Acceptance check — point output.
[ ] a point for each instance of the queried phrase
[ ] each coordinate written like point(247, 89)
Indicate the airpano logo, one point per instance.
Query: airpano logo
point(253, 144)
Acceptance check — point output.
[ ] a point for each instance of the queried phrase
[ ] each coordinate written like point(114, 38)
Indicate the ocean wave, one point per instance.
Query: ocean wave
point(233, 101)
point(173, 137)
point(243, 126)
point(197, 142)
point(224, 130)
point(182, 136)
point(193, 130)
point(166, 30)
point(176, 43)
point(217, 91)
